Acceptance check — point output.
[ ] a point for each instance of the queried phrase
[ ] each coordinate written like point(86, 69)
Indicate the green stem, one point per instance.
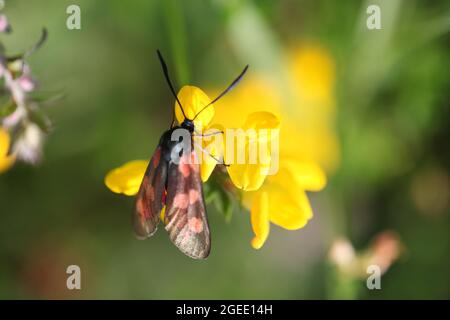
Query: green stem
point(174, 19)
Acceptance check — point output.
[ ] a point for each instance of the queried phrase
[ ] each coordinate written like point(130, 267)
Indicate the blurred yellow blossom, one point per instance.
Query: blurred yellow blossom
point(313, 72)
point(6, 160)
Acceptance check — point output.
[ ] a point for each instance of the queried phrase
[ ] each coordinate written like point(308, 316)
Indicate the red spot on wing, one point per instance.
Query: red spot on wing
point(164, 197)
point(181, 200)
point(150, 192)
point(194, 196)
point(142, 208)
point(195, 225)
point(184, 166)
point(181, 222)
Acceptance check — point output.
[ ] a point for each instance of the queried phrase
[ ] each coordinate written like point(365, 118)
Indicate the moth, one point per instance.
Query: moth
point(172, 184)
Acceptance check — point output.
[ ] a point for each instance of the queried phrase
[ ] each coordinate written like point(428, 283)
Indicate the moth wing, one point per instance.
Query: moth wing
point(185, 216)
point(149, 200)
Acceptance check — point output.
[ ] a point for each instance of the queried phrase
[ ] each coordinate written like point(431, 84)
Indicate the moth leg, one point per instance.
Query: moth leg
point(208, 134)
point(209, 154)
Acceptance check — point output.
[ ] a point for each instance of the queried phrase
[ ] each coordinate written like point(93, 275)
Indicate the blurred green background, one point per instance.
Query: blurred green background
point(390, 119)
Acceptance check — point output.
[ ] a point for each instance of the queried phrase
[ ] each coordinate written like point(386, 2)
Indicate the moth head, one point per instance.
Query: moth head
point(188, 125)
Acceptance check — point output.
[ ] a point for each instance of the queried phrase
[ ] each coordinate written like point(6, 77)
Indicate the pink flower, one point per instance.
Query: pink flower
point(27, 83)
point(4, 24)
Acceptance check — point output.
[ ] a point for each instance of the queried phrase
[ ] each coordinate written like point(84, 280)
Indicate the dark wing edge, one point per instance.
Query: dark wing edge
point(185, 216)
point(149, 200)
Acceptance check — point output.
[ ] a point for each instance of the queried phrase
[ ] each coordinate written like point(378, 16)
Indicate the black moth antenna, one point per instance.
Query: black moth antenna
point(231, 86)
point(166, 75)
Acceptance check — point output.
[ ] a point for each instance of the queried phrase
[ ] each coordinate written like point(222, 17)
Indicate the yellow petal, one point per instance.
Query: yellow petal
point(308, 175)
point(249, 164)
point(206, 169)
point(127, 178)
point(262, 120)
point(246, 168)
point(162, 214)
point(6, 161)
point(193, 99)
point(211, 151)
point(248, 177)
point(4, 142)
point(259, 217)
point(208, 162)
point(289, 208)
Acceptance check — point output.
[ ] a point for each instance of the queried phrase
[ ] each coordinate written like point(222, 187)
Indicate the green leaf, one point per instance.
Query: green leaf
point(40, 119)
point(7, 109)
point(209, 193)
point(224, 203)
point(219, 197)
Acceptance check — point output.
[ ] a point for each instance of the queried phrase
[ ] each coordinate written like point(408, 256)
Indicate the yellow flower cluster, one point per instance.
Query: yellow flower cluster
point(281, 199)
point(308, 145)
point(307, 142)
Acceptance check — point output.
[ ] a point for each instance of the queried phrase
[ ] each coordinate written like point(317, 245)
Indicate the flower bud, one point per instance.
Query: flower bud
point(27, 83)
point(28, 146)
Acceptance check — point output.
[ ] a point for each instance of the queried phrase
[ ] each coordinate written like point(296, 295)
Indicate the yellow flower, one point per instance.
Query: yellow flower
point(6, 161)
point(308, 144)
